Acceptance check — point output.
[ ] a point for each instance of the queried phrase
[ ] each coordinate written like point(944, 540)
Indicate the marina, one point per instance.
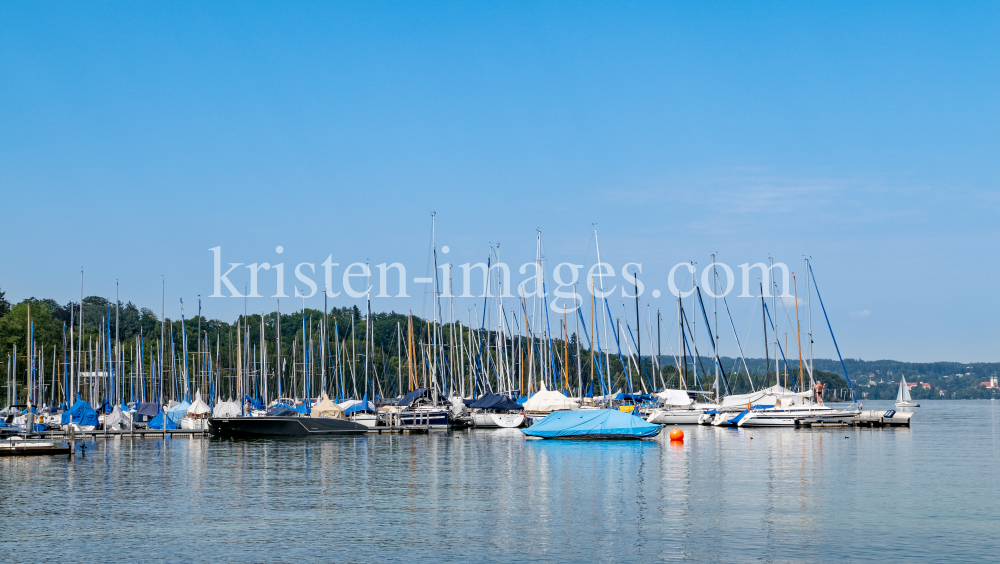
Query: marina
point(549, 282)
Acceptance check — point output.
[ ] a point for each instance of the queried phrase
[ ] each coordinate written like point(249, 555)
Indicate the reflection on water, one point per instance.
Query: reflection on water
point(724, 495)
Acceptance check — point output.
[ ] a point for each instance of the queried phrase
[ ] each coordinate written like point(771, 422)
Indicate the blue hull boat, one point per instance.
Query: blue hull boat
point(592, 424)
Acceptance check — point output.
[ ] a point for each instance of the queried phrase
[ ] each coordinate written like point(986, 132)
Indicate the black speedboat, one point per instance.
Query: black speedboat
point(282, 426)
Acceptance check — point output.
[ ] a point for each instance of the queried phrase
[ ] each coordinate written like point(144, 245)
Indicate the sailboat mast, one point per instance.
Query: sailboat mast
point(682, 344)
point(694, 331)
point(434, 307)
point(638, 330)
point(809, 315)
point(763, 312)
point(163, 319)
point(604, 321)
point(79, 368)
point(774, 308)
point(659, 351)
point(70, 363)
point(798, 332)
point(715, 318)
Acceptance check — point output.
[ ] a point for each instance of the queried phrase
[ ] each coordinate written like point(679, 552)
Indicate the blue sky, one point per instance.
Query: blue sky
point(134, 137)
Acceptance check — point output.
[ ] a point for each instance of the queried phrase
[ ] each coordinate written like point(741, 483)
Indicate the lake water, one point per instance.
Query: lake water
point(927, 493)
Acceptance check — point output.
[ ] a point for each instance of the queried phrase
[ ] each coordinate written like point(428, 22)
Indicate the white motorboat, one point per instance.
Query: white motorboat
point(775, 407)
point(678, 409)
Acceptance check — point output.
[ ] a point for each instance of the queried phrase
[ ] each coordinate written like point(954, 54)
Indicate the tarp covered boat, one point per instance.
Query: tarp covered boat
point(546, 401)
point(326, 407)
point(177, 412)
point(80, 414)
point(157, 422)
point(226, 409)
point(592, 424)
point(496, 402)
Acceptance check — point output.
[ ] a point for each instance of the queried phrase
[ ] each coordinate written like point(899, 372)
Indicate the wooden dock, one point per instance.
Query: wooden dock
point(97, 434)
point(407, 429)
point(188, 433)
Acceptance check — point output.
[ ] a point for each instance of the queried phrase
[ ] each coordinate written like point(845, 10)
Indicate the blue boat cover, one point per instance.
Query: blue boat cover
point(177, 412)
point(148, 409)
point(496, 401)
point(592, 424)
point(157, 422)
point(637, 397)
point(408, 398)
point(254, 404)
point(282, 410)
point(81, 413)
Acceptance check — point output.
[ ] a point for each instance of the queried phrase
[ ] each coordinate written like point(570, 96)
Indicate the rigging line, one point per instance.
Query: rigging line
point(659, 360)
point(742, 356)
point(753, 317)
point(842, 365)
point(694, 349)
point(670, 345)
point(697, 381)
point(632, 338)
point(628, 377)
point(782, 351)
point(708, 327)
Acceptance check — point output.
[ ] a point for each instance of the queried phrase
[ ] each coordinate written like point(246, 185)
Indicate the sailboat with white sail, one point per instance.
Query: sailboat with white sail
point(903, 395)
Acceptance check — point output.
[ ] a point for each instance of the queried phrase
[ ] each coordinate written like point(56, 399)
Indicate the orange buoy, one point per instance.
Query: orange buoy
point(676, 435)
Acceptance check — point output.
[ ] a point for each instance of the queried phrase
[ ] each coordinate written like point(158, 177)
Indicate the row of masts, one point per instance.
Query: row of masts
point(513, 351)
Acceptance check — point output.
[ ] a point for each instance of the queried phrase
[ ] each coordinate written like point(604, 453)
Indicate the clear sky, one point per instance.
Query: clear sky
point(136, 136)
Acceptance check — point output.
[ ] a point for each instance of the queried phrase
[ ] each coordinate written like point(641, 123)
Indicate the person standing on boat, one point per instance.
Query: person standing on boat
point(819, 392)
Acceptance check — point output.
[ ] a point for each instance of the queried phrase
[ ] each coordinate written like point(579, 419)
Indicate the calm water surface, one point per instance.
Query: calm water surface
point(927, 493)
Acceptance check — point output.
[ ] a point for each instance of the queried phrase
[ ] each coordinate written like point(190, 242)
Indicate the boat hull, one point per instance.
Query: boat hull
point(498, 420)
point(675, 416)
point(256, 427)
point(32, 448)
point(434, 418)
point(367, 419)
point(192, 424)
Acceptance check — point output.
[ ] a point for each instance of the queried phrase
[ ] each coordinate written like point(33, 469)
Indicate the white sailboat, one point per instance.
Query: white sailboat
point(903, 396)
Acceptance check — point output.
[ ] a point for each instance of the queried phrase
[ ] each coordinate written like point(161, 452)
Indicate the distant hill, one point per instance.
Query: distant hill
point(879, 379)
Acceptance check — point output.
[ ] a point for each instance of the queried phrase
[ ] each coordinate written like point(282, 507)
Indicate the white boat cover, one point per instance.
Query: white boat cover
point(198, 407)
point(326, 407)
point(118, 419)
point(347, 405)
point(457, 406)
point(675, 398)
point(549, 400)
point(226, 409)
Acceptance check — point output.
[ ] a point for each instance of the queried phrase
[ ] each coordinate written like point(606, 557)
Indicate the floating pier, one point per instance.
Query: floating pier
point(883, 418)
point(33, 448)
